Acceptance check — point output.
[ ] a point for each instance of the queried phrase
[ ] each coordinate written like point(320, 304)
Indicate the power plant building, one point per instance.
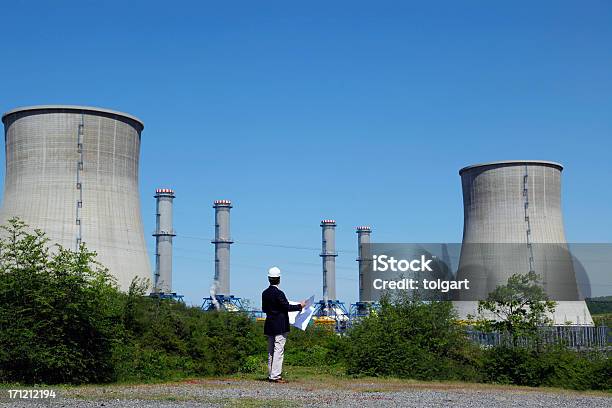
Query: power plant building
point(72, 171)
point(513, 224)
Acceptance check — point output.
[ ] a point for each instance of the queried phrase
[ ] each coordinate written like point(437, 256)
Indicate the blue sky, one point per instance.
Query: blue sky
point(353, 110)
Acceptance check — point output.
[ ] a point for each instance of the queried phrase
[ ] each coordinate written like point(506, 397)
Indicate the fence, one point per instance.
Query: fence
point(576, 337)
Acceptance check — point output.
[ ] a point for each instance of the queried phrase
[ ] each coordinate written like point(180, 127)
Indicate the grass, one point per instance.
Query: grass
point(304, 378)
point(336, 378)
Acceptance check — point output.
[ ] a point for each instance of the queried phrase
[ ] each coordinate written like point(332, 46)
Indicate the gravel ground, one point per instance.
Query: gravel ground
point(243, 393)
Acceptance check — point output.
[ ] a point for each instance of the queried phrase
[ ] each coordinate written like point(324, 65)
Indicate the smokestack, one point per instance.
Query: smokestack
point(163, 240)
point(363, 237)
point(222, 243)
point(328, 253)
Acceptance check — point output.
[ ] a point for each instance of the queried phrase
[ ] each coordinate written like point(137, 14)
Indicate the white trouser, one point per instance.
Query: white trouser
point(276, 350)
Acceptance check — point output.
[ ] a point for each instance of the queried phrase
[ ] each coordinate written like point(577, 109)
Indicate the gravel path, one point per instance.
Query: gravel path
point(243, 393)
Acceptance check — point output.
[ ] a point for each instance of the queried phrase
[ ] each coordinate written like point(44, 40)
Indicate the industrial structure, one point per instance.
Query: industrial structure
point(72, 171)
point(220, 297)
point(164, 233)
point(365, 264)
point(513, 224)
point(328, 255)
point(329, 306)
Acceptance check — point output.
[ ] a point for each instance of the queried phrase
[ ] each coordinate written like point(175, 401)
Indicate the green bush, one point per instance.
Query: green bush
point(58, 312)
point(63, 320)
point(601, 373)
point(132, 362)
point(411, 339)
point(554, 366)
point(181, 340)
point(315, 356)
point(253, 364)
point(509, 365)
point(314, 347)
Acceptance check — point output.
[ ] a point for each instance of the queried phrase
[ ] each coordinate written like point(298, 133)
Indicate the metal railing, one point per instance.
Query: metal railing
point(575, 337)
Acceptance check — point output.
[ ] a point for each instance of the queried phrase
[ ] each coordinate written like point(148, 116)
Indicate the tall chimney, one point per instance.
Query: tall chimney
point(328, 253)
point(163, 240)
point(222, 243)
point(363, 237)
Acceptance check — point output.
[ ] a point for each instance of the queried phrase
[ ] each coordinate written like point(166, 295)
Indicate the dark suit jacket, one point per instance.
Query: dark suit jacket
point(276, 307)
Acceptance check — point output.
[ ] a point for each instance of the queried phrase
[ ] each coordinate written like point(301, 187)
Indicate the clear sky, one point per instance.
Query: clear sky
point(361, 111)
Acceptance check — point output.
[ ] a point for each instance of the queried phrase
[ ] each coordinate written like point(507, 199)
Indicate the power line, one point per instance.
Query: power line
point(266, 244)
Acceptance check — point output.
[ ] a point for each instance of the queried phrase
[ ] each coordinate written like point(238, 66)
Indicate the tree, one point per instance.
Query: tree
point(58, 311)
point(63, 320)
point(519, 307)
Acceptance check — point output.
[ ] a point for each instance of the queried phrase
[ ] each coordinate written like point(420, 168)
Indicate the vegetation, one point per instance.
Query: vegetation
point(518, 308)
point(552, 366)
point(603, 319)
point(163, 339)
point(601, 310)
point(423, 340)
point(600, 305)
point(57, 311)
point(412, 339)
point(315, 347)
point(63, 320)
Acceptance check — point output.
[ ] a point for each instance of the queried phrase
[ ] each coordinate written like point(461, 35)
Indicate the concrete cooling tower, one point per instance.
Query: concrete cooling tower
point(513, 224)
point(72, 171)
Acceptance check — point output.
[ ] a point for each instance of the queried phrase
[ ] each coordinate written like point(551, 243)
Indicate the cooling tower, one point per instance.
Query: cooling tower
point(513, 224)
point(72, 171)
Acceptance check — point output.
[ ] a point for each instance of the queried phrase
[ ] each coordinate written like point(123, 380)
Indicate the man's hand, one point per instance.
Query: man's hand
point(303, 303)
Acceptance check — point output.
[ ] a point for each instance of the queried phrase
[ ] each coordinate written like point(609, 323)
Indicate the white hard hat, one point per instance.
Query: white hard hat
point(274, 272)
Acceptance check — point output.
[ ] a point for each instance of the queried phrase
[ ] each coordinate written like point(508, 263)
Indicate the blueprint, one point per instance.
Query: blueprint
point(302, 318)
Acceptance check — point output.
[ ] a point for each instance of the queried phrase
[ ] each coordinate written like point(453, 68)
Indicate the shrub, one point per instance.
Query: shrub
point(132, 362)
point(188, 340)
point(601, 373)
point(554, 366)
point(255, 363)
point(314, 347)
point(57, 311)
point(512, 365)
point(63, 320)
point(413, 339)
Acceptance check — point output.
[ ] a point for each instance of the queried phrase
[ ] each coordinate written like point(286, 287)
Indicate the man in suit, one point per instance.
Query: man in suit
point(276, 307)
